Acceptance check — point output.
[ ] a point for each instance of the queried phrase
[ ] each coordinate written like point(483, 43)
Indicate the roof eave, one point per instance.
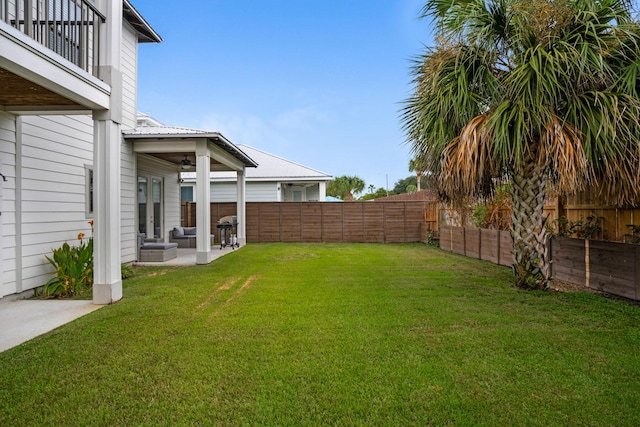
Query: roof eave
point(146, 33)
point(217, 138)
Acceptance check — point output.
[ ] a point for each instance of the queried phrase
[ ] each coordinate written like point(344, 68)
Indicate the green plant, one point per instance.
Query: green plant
point(126, 270)
point(587, 228)
point(496, 212)
point(561, 224)
point(432, 241)
point(634, 236)
point(479, 216)
point(73, 268)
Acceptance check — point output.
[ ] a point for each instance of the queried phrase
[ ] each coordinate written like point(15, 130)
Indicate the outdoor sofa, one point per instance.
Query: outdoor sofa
point(156, 252)
point(185, 237)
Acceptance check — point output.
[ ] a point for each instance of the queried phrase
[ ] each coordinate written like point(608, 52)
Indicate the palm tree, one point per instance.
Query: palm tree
point(417, 165)
point(344, 187)
point(543, 93)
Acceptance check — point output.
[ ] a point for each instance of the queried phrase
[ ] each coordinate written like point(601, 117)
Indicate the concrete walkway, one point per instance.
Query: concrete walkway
point(22, 320)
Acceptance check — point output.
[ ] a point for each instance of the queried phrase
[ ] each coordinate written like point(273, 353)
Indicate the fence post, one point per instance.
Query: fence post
point(464, 240)
point(550, 256)
point(499, 237)
point(587, 264)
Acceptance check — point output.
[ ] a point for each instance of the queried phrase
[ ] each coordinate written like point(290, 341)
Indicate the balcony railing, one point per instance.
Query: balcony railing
point(71, 28)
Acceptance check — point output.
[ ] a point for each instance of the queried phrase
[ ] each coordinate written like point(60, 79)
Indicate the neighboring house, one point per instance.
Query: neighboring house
point(274, 180)
point(68, 89)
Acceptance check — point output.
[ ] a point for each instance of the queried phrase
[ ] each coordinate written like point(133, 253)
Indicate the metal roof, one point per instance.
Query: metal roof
point(146, 34)
point(271, 168)
point(173, 132)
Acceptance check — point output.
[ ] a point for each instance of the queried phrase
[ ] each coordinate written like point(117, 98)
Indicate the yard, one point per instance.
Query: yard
point(332, 334)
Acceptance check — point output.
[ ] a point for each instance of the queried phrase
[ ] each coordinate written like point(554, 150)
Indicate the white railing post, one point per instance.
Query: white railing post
point(28, 18)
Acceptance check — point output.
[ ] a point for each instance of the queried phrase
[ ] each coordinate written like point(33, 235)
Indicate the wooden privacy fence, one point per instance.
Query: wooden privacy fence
point(490, 245)
point(610, 267)
point(308, 222)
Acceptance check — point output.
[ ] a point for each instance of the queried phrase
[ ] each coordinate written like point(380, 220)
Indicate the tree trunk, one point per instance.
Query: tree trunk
point(530, 261)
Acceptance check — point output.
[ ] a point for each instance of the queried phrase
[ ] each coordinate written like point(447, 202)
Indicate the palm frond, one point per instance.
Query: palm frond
point(468, 166)
point(563, 155)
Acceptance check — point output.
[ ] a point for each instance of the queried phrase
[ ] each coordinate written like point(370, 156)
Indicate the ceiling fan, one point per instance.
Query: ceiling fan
point(186, 164)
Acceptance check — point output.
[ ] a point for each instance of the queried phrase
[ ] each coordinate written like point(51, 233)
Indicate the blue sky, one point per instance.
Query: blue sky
point(317, 82)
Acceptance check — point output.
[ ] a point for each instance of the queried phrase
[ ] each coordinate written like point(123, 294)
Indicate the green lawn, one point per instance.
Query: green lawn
point(324, 334)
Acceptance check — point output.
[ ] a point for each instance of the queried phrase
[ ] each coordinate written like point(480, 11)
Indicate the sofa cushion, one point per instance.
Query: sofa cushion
point(163, 246)
point(178, 232)
point(190, 231)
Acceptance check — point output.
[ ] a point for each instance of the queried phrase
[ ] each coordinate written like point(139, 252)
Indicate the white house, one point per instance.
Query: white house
point(274, 180)
point(68, 90)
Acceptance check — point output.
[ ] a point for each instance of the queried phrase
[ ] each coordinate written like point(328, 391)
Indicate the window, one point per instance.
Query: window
point(186, 194)
point(88, 178)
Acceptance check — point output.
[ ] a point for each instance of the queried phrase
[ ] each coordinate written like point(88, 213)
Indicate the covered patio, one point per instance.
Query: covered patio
point(187, 257)
point(189, 150)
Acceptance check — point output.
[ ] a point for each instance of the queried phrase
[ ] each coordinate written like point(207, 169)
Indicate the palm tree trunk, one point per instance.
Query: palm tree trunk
point(530, 261)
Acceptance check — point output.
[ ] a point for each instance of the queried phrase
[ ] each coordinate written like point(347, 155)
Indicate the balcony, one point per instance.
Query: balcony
point(50, 56)
point(70, 28)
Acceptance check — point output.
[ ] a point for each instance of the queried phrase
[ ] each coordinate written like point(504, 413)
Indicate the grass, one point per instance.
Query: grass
point(297, 334)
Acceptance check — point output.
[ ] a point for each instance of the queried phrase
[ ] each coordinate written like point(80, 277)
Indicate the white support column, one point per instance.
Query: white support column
point(107, 287)
point(241, 208)
point(322, 189)
point(107, 138)
point(203, 206)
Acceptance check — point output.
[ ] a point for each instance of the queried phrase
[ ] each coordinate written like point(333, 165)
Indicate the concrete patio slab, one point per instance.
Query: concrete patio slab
point(187, 256)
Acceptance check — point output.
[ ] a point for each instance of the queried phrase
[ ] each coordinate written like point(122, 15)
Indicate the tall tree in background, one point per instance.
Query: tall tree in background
point(542, 93)
point(344, 187)
point(418, 166)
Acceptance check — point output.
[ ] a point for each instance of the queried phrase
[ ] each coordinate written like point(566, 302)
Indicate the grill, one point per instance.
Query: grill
point(228, 226)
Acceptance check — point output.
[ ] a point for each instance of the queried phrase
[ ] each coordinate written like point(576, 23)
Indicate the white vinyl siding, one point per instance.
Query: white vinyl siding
point(261, 191)
point(54, 152)
point(313, 193)
point(128, 211)
point(7, 208)
point(129, 64)
point(223, 192)
point(255, 192)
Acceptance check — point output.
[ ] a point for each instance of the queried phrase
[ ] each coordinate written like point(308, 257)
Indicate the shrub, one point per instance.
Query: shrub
point(495, 213)
point(634, 235)
point(587, 228)
point(126, 271)
point(73, 268)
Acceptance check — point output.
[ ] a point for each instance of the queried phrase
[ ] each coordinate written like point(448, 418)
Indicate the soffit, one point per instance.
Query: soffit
point(17, 91)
